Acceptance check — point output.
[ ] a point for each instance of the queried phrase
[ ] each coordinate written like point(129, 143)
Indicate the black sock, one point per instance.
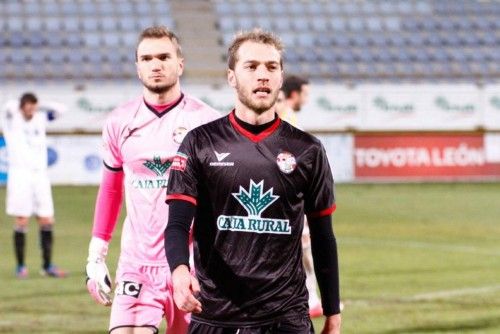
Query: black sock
point(19, 242)
point(46, 244)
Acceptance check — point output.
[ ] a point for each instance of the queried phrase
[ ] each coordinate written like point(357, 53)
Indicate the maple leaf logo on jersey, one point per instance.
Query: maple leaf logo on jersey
point(157, 166)
point(255, 201)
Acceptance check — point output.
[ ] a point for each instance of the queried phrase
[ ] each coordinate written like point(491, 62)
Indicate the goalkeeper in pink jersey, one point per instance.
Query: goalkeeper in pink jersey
point(141, 138)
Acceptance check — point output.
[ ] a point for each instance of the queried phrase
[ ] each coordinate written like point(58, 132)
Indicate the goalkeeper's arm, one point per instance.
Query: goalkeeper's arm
point(107, 209)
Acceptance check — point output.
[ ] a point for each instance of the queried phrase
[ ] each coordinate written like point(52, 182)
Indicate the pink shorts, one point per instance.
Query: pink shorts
point(143, 296)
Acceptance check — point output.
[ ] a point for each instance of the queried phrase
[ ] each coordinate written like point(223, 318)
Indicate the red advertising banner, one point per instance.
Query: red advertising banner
point(421, 157)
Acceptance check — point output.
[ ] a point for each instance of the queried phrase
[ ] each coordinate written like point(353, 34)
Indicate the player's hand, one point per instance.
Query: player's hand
point(332, 324)
point(186, 287)
point(98, 278)
point(99, 282)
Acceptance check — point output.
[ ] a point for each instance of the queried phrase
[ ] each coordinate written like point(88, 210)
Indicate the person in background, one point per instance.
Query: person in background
point(28, 185)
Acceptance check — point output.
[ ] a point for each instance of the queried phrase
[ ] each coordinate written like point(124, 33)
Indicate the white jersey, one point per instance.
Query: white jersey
point(26, 140)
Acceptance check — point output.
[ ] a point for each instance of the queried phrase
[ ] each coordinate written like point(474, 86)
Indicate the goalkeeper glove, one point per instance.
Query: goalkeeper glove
point(98, 278)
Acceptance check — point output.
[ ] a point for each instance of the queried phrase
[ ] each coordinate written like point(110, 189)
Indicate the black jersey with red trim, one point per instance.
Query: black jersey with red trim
point(251, 193)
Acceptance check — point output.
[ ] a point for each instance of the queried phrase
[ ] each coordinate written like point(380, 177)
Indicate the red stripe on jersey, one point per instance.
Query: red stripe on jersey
point(323, 213)
point(255, 138)
point(181, 197)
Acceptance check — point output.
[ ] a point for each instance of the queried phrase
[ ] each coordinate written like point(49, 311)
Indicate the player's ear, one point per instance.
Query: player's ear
point(137, 70)
point(181, 66)
point(231, 78)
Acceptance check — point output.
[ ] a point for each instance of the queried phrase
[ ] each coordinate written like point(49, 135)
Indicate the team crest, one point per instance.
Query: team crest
point(255, 201)
point(286, 162)
point(179, 134)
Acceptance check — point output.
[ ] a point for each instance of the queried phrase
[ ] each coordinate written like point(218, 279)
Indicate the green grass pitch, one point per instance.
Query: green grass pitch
point(418, 258)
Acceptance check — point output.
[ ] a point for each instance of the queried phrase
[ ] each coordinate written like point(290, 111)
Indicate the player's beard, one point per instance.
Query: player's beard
point(159, 88)
point(259, 107)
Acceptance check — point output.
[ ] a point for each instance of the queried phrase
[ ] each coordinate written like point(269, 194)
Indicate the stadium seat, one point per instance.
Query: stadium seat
point(90, 24)
point(13, 8)
point(319, 24)
point(143, 8)
point(127, 24)
point(92, 39)
point(50, 8)
point(69, 8)
point(71, 24)
point(126, 9)
point(14, 23)
point(34, 23)
point(110, 25)
point(264, 22)
point(73, 40)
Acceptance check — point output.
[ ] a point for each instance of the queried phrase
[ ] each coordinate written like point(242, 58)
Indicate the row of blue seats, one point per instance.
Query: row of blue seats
point(352, 8)
point(69, 24)
point(316, 70)
point(384, 40)
point(320, 7)
point(84, 8)
point(328, 55)
point(359, 24)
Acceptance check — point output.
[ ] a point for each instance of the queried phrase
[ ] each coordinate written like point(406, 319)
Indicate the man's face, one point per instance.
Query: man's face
point(158, 65)
point(300, 98)
point(28, 110)
point(257, 76)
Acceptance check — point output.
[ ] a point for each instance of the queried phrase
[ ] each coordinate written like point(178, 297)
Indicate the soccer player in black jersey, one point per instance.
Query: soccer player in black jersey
point(247, 179)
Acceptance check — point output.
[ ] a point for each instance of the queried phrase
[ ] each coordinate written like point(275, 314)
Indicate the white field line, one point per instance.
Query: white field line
point(420, 245)
point(454, 293)
point(429, 296)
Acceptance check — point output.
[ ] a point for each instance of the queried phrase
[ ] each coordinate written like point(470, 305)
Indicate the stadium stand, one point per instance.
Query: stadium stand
point(334, 40)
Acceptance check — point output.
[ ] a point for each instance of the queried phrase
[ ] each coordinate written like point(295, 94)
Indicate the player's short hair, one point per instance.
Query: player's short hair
point(28, 98)
point(157, 32)
point(257, 36)
point(293, 83)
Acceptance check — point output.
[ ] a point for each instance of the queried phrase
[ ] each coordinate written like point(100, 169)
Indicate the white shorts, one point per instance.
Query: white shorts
point(29, 193)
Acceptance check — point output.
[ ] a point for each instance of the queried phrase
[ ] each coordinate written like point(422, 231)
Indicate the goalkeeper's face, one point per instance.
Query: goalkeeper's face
point(158, 64)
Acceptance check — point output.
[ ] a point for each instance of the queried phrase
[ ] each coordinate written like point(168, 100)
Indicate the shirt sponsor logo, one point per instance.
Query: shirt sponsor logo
point(220, 157)
point(157, 166)
point(255, 201)
point(150, 183)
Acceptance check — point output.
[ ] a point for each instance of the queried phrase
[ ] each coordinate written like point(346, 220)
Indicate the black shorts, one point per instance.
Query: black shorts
point(295, 325)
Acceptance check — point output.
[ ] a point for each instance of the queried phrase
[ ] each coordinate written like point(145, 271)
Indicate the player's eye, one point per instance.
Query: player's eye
point(164, 57)
point(146, 58)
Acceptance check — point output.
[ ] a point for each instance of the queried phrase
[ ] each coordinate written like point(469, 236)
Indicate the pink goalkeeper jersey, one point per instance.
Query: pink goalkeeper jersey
point(143, 144)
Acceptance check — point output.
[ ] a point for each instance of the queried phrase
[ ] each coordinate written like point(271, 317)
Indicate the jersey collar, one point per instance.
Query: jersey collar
point(253, 137)
point(164, 112)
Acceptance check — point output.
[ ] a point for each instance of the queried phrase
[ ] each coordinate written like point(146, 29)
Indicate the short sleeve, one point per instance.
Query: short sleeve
point(183, 178)
point(111, 153)
point(320, 197)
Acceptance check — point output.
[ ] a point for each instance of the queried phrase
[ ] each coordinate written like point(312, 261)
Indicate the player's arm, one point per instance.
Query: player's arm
point(107, 208)
point(53, 109)
point(325, 258)
point(186, 287)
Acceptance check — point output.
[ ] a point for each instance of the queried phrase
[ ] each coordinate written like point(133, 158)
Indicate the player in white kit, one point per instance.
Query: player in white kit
point(141, 139)
point(28, 185)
